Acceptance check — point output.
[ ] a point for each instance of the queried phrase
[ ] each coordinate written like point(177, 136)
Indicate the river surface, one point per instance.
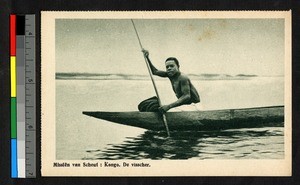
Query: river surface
point(82, 137)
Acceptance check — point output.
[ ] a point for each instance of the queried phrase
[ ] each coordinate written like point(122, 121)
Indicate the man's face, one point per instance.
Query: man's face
point(171, 68)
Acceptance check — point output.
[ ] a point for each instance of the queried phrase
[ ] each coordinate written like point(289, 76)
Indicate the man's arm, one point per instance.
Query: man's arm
point(153, 69)
point(185, 98)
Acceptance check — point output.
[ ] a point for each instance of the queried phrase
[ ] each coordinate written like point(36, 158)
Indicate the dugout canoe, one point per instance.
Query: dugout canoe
point(199, 120)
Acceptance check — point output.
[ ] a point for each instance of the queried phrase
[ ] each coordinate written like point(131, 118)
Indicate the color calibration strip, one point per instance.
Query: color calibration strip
point(13, 85)
point(22, 62)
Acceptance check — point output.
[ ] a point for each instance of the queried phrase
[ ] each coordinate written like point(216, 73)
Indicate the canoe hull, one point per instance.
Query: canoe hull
point(199, 120)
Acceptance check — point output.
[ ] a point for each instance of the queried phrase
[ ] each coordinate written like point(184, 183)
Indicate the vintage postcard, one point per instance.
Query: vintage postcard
point(166, 93)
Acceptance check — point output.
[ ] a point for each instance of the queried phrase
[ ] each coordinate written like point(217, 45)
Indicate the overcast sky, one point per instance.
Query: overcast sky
point(223, 46)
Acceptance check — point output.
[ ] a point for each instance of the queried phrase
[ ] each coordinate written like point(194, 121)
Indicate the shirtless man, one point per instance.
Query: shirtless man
point(181, 84)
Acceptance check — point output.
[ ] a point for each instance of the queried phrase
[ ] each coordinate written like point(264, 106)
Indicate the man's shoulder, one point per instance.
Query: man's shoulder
point(183, 77)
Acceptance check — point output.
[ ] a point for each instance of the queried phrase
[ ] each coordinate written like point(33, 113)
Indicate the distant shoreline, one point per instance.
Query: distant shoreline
point(97, 76)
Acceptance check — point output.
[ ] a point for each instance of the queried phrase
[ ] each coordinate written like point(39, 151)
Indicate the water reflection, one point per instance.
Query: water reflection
point(242, 143)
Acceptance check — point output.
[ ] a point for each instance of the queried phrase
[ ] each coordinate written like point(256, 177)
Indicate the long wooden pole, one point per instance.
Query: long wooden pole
point(153, 82)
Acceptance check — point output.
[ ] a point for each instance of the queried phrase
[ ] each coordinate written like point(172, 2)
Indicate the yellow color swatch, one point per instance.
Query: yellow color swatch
point(13, 76)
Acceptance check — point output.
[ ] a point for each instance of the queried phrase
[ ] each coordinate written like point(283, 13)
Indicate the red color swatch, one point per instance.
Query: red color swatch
point(12, 35)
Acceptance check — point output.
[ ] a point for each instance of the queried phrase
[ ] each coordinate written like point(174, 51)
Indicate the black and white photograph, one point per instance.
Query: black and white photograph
point(166, 93)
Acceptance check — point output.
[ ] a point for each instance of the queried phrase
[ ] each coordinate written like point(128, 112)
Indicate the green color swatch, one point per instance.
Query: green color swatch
point(13, 118)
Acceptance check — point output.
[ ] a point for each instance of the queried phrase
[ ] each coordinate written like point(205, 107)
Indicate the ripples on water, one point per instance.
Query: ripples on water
point(258, 143)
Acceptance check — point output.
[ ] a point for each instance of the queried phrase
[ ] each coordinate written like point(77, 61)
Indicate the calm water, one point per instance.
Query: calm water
point(248, 143)
point(83, 137)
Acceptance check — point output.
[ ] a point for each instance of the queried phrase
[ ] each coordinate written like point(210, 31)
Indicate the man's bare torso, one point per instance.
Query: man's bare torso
point(176, 86)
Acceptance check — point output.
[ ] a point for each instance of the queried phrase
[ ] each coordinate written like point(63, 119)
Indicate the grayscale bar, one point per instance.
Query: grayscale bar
point(20, 63)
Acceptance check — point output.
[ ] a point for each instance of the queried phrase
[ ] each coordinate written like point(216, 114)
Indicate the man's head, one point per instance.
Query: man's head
point(173, 59)
point(172, 66)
